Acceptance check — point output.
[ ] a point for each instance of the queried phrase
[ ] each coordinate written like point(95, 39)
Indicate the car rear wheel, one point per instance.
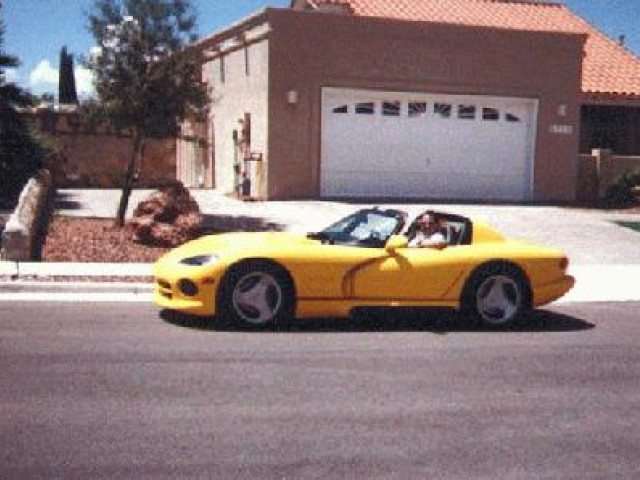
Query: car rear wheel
point(256, 295)
point(496, 295)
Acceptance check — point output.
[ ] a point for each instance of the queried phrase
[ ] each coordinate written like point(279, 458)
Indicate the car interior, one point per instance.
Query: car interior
point(372, 228)
point(456, 229)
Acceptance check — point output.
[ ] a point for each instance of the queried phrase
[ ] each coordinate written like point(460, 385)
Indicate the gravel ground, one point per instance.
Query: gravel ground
point(94, 240)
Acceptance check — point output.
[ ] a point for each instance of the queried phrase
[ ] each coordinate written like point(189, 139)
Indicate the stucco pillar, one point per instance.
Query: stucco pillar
point(604, 167)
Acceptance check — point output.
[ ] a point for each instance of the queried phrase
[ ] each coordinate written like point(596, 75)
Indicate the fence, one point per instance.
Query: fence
point(599, 170)
point(94, 156)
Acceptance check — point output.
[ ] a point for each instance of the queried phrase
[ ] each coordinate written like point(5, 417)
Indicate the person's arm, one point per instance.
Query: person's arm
point(437, 240)
point(417, 240)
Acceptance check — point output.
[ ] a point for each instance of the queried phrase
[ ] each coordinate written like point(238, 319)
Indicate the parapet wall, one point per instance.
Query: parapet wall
point(89, 156)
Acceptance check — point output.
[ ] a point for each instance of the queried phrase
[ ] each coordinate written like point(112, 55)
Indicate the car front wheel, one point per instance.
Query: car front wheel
point(256, 295)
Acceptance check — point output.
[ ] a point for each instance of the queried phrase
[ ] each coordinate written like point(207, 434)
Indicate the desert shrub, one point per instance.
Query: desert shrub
point(621, 193)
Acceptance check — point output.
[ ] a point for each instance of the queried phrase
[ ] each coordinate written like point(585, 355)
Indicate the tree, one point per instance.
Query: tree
point(67, 82)
point(21, 153)
point(147, 79)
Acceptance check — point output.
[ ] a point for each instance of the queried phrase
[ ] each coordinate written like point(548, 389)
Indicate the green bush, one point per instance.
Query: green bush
point(621, 193)
point(22, 154)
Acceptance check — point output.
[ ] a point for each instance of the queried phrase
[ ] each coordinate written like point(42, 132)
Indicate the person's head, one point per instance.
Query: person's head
point(428, 223)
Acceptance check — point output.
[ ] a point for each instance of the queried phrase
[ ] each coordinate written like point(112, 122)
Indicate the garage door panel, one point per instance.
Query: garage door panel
point(426, 145)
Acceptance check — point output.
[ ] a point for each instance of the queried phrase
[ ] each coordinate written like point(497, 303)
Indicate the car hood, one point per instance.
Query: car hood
point(230, 244)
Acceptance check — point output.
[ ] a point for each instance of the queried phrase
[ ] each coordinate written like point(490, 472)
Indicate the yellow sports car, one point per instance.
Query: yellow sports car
point(365, 260)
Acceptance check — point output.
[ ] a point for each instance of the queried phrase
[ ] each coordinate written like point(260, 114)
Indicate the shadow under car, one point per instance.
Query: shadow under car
point(440, 321)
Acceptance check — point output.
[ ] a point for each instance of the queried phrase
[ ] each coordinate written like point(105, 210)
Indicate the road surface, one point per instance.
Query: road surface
point(109, 390)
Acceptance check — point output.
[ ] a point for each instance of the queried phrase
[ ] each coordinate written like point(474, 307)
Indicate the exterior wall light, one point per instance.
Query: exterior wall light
point(292, 97)
point(562, 110)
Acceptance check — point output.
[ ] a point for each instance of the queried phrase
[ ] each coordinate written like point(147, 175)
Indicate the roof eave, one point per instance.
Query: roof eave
point(610, 98)
point(232, 30)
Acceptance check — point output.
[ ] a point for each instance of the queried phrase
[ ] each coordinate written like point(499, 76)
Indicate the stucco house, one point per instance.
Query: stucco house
point(458, 100)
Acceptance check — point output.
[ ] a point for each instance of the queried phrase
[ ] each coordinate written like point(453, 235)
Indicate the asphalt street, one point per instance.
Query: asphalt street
point(119, 391)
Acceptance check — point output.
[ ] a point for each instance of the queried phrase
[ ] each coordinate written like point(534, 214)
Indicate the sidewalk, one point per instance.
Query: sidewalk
point(594, 283)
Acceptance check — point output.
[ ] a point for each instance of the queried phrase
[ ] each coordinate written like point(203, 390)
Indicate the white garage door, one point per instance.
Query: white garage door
point(391, 144)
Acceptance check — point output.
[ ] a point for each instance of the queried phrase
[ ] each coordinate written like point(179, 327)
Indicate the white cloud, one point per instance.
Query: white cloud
point(84, 82)
point(43, 78)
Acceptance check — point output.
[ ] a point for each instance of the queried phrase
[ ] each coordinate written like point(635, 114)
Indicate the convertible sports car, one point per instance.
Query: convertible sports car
point(364, 260)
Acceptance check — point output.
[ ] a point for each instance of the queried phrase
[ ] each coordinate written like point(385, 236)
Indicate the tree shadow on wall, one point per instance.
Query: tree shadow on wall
point(62, 201)
point(238, 223)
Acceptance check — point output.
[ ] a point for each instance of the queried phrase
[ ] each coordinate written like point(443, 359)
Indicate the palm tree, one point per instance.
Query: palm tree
point(21, 154)
point(10, 93)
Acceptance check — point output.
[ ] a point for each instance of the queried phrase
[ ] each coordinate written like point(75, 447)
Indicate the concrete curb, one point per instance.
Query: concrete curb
point(594, 283)
point(62, 269)
point(114, 288)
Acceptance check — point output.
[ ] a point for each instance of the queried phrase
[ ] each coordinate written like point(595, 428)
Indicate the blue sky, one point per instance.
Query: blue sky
point(36, 30)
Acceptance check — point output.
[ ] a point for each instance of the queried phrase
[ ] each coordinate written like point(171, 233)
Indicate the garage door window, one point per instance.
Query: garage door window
point(365, 108)
point(341, 109)
point(442, 110)
point(391, 109)
point(466, 112)
point(417, 109)
point(513, 118)
point(491, 114)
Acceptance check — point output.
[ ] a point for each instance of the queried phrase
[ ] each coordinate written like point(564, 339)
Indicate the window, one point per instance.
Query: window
point(489, 113)
point(442, 109)
point(222, 70)
point(340, 109)
point(247, 69)
point(466, 112)
point(365, 228)
point(376, 224)
point(365, 108)
point(391, 109)
point(513, 118)
point(417, 109)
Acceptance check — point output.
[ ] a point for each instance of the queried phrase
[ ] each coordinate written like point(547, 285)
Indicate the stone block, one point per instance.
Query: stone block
point(22, 233)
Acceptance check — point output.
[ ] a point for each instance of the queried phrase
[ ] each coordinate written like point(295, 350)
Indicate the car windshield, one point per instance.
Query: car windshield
point(365, 228)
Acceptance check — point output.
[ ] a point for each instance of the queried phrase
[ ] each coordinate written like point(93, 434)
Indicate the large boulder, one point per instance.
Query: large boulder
point(167, 218)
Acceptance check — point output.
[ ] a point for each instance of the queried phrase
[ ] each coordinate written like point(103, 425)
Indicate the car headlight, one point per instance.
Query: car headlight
point(199, 260)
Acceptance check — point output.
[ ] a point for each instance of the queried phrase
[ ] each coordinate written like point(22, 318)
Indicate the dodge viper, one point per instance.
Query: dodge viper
point(364, 260)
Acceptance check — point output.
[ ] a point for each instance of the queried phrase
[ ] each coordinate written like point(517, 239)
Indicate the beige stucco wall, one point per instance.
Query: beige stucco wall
point(600, 170)
point(92, 156)
point(239, 86)
point(310, 51)
point(101, 161)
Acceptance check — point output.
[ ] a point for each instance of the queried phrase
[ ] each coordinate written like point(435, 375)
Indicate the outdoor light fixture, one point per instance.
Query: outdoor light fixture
point(292, 97)
point(562, 110)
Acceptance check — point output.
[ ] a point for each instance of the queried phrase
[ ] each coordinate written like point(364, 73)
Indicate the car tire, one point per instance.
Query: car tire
point(254, 295)
point(496, 295)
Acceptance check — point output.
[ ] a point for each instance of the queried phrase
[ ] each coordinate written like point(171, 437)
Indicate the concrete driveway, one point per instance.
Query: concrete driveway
point(588, 236)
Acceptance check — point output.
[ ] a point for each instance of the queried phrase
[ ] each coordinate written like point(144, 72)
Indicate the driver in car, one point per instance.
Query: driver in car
point(428, 233)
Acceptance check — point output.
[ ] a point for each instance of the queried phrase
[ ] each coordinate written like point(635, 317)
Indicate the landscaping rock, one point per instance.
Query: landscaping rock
point(167, 218)
point(24, 232)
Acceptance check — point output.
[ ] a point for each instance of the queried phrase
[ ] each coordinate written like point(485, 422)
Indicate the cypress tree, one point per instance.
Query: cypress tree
point(67, 83)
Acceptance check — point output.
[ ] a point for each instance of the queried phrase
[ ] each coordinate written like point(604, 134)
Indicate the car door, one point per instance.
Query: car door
point(409, 274)
point(323, 271)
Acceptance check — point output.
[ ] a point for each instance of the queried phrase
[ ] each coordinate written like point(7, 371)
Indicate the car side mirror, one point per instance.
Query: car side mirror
point(396, 242)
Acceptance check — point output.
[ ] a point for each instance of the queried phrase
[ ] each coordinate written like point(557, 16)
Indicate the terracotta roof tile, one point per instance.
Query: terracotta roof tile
point(608, 68)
